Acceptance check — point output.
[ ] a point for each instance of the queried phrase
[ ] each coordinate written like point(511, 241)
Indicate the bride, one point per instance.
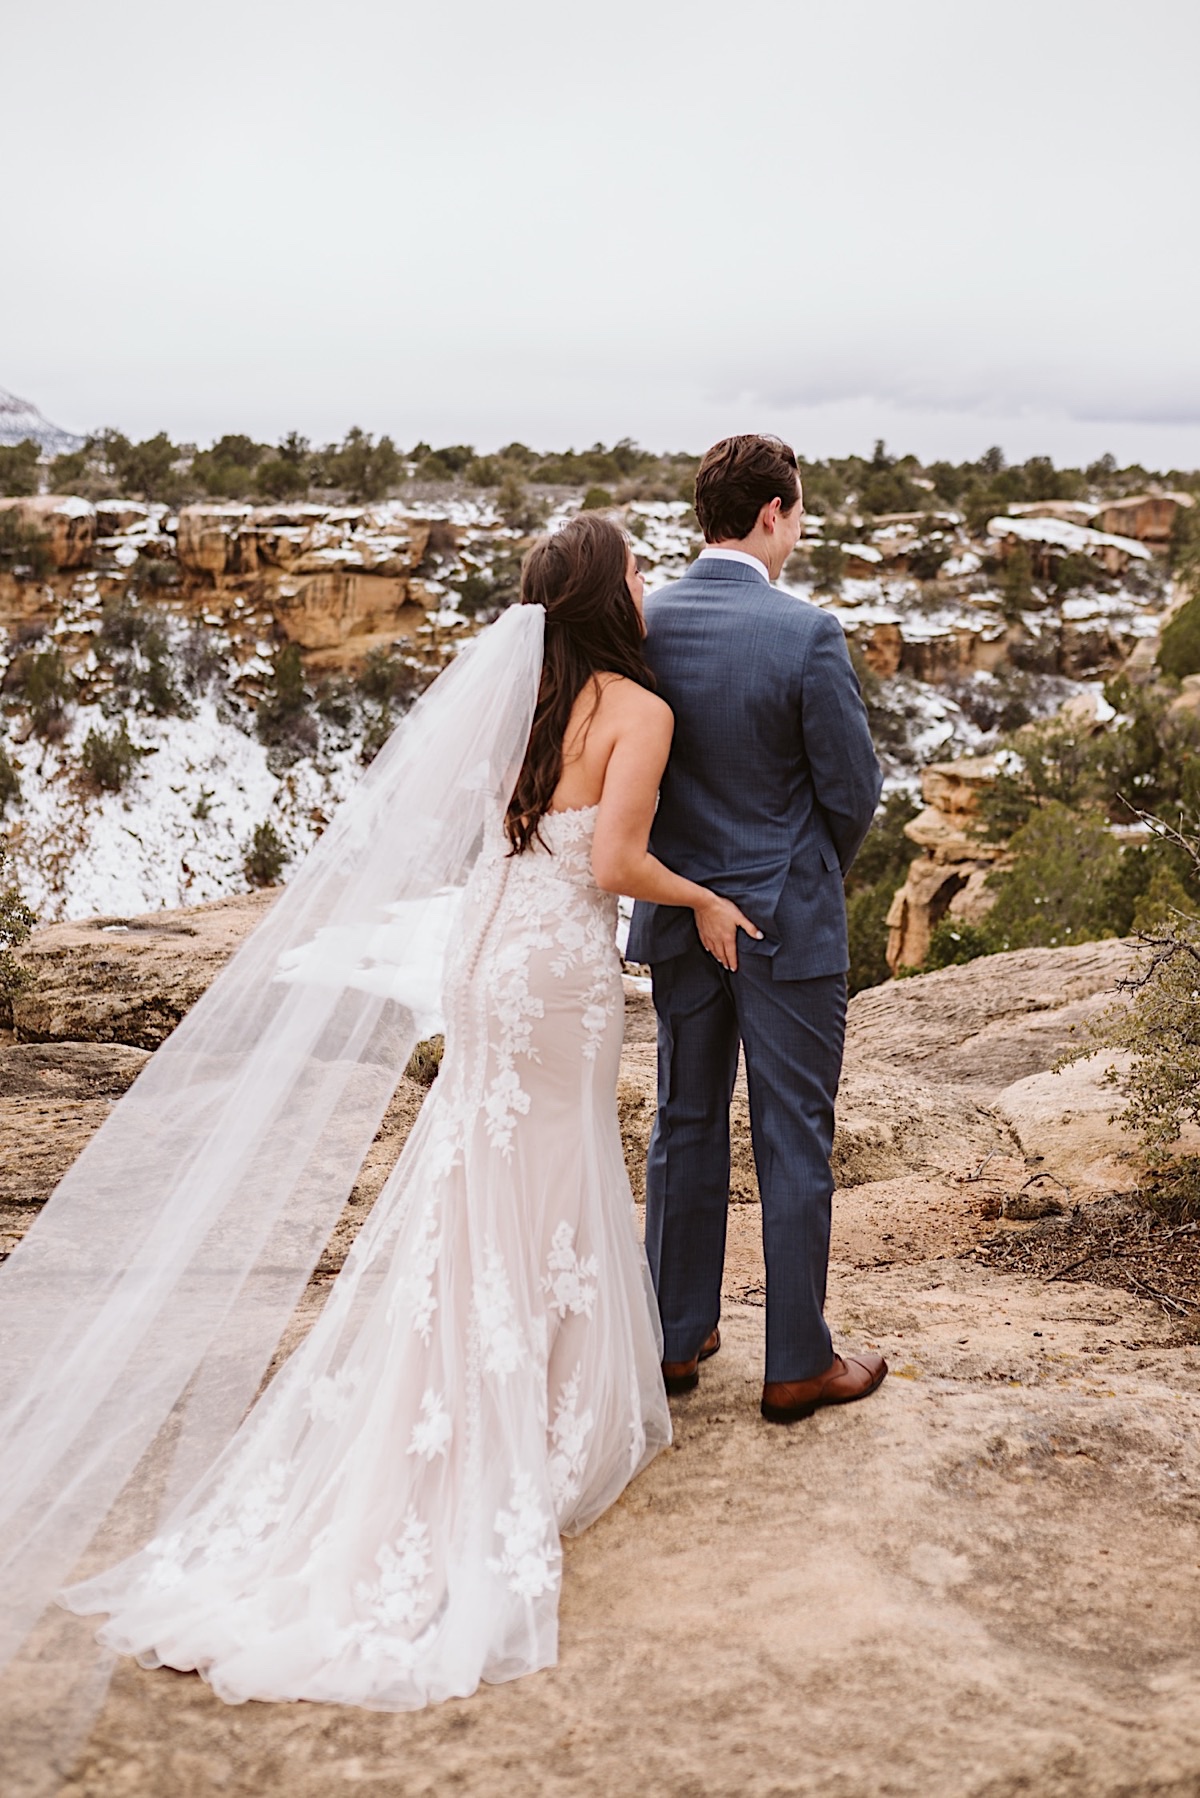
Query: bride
point(383, 1527)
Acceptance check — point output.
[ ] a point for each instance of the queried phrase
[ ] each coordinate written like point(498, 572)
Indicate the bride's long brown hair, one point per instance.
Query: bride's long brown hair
point(592, 627)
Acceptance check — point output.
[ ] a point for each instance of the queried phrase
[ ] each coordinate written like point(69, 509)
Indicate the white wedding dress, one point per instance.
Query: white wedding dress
point(383, 1530)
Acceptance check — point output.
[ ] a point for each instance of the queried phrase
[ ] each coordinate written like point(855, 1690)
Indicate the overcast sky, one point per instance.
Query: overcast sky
point(942, 222)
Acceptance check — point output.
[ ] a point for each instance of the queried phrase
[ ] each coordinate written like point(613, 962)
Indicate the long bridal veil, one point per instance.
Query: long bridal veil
point(140, 1313)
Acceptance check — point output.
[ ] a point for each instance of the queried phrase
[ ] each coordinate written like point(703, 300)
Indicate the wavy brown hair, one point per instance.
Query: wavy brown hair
point(592, 627)
point(737, 478)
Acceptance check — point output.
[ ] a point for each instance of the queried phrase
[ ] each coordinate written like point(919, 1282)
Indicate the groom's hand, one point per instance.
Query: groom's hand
point(718, 922)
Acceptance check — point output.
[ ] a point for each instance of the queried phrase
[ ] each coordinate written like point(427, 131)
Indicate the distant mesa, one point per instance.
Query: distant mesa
point(20, 420)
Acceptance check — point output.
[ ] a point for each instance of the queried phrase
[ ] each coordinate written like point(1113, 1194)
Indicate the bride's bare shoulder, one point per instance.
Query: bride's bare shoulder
point(633, 707)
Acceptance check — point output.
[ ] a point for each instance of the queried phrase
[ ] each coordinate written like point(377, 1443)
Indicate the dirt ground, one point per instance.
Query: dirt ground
point(981, 1582)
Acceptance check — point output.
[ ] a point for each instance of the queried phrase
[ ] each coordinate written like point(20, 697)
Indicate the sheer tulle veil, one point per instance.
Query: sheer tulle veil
point(139, 1315)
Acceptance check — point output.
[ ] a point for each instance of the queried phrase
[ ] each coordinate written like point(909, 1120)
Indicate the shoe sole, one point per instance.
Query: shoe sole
point(678, 1383)
point(797, 1413)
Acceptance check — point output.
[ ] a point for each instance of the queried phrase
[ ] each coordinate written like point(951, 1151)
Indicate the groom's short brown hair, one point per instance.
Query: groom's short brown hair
point(737, 478)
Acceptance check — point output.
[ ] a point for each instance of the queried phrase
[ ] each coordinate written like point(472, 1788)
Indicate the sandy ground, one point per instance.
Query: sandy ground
point(981, 1582)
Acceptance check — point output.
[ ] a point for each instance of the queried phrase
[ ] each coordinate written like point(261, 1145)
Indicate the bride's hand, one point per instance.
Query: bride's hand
point(718, 922)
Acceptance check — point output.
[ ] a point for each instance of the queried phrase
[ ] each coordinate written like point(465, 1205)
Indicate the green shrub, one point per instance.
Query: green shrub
point(828, 562)
point(41, 679)
point(24, 550)
point(280, 478)
point(133, 643)
point(597, 499)
point(1057, 889)
point(926, 557)
point(1185, 546)
point(266, 856)
point(284, 721)
point(378, 729)
point(16, 922)
point(10, 782)
point(385, 677)
point(953, 942)
point(1160, 1029)
point(1179, 646)
point(1017, 586)
point(108, 761)
point(518, 507)
point(19, 468)
point(1164, 899)
point(358, 465)
point(1076, 570)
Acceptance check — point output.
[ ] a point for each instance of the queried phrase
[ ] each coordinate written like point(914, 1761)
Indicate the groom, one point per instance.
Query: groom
point(770, 788)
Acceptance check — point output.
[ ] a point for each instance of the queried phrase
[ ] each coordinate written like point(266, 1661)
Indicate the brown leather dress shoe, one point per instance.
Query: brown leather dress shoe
point(846, 1378)
point(684, 1376)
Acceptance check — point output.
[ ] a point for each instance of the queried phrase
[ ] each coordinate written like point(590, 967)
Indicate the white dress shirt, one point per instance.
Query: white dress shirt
point(711, 552)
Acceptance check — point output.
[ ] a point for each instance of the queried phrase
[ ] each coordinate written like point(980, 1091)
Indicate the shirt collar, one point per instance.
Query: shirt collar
point(711, 553)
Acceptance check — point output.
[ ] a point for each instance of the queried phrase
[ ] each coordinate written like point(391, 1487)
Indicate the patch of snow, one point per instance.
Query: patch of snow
point(1065, 535)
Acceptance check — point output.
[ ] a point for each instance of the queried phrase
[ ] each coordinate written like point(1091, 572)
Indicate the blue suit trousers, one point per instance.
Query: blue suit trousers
point(793, 1032)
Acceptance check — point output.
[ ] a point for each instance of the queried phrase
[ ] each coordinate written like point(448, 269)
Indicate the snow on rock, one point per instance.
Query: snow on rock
point(1064, 535)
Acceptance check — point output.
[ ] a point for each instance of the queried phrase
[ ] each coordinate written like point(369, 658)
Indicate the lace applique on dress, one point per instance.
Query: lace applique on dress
point(504, 1347)
point(571, 1283)
point(231, 1526)
point(414, 1290)
point(569, 1437)
point(396, 1600)
point(327, 1397)
point(433, 1429)
point(530, 1557)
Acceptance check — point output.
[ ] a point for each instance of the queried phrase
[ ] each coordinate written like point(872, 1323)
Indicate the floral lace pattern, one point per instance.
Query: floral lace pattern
point(530, 1555)
point(504, 1347)
point(571, 1283)
point(569, 1435)
point(433, 1429)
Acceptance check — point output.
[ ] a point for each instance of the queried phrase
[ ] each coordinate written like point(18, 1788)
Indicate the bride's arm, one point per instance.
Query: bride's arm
point(642, 726)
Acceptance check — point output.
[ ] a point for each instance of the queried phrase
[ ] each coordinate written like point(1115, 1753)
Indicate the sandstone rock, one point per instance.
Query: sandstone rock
point(1188, 698)
point(952, 879)
point(934, 890)
point(212, 540)
point(991, 1022)
point(1146, 516)
point(890, 1124)
point(128, 980)
point(53, 1097)
point(883, 647)
point(957, 787)
point(1065, 1123)
point(68, 1071)
point(327, 609)
point(114, 515)
point(67, 524)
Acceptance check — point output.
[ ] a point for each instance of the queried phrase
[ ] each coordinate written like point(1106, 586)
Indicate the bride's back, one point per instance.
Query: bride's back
point(600, 716)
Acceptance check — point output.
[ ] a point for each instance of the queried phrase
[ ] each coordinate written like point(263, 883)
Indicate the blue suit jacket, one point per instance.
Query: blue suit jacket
point(772, 780)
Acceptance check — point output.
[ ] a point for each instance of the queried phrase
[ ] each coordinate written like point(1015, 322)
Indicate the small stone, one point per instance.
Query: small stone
point(1028, 1207)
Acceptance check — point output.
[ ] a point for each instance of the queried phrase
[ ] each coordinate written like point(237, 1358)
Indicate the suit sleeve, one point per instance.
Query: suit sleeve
point(846, 775)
